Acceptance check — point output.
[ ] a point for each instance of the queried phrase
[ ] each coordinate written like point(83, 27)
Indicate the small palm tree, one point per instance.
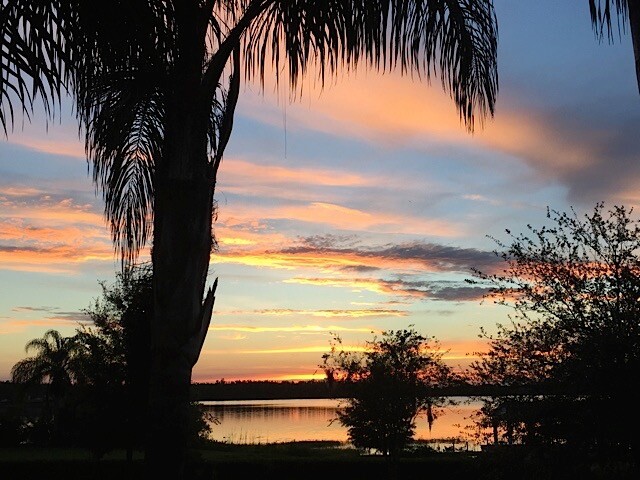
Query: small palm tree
point(54, 362)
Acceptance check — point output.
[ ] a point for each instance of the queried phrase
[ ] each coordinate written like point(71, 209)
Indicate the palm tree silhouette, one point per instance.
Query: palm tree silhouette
point(55, 363)
point(156, 84)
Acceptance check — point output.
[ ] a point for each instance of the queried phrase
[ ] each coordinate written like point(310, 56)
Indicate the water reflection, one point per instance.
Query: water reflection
point(266, 421)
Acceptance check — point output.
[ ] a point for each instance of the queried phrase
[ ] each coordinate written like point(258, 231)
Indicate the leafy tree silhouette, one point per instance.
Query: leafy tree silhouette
point(116, 348)
point(574, 339)
point(388, 385)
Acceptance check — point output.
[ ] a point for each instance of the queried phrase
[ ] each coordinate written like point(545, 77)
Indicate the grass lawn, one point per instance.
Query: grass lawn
point(306, 461)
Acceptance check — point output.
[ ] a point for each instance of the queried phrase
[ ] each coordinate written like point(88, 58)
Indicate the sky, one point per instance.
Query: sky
point(359, 208)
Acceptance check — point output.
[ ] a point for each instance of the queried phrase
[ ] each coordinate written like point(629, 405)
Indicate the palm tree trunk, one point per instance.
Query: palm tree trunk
point(181, 251)
point(182, 242)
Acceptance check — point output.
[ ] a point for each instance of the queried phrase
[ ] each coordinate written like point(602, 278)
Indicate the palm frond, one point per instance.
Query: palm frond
point(603, 12)
point(123, 140)
point(455, 39)
point(29, 370)
point(126, 55)
point(222, 112)
point(34, 55)
point(49, 342)
point(53, 360)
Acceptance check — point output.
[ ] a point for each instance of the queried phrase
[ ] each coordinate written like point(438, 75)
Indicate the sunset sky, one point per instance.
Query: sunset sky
point(357, 209)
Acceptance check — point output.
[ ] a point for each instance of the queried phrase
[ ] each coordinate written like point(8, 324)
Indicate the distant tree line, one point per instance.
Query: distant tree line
point(259, 390)
point(293, 389)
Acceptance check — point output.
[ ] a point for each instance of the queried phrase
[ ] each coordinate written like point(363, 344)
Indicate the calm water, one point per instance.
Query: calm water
point(270, 421)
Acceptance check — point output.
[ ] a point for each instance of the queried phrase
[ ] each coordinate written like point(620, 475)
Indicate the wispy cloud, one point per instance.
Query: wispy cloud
point(290, 329)
point(446, 291)
point(278, 351)
point(330, 253)
point(42, 232)
point(338, 217)
point(248, 174)
point(12, 326)
point(63, 258)
point(333, 313)
point(584, 150)
point(423, 256)
point(50, 145)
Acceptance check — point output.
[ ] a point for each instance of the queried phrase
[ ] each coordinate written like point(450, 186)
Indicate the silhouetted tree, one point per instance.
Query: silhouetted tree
point(115, 354)
point(389, 384)
point(56, 363)
point(156, 85)
point(574, 339)
point(99, 378)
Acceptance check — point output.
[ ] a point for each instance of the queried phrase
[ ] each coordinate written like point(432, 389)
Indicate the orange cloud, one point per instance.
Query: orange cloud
point(352, 313)
point(273, 351)
point(401, 109)
point(41, 234)
point(52, 259)
point(17, 325)
point(242, 172)
point(339, 217)
point(335, 254)
point(278, 260)
point(62, 212)
point(324, 260)
point(49, 145)
point(275, 375)
point(404, 109)
point(289, 329)
point(241, 237)
point(358, 284)
point(22, 231)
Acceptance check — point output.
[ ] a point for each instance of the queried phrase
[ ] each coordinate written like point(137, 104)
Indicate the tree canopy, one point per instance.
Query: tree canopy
point(574, 337)
point(390, 383)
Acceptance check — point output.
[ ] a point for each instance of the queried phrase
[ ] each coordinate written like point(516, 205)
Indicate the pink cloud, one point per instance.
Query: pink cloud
point(389, 109)
point(339, 217)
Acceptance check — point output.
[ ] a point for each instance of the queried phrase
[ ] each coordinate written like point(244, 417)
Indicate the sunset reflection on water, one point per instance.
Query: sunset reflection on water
point(275, 421)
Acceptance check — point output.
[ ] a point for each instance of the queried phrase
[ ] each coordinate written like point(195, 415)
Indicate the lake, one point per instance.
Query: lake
point(275, 421)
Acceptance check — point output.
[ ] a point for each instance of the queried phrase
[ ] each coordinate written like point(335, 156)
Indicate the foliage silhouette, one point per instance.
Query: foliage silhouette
point(117, 349)
point(390, 383)
point(602, 14)
point(55, 362)
point(575, 334)
point(105, 373)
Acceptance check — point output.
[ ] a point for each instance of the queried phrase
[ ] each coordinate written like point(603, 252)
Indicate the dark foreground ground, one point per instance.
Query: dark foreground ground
point(315, 460)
